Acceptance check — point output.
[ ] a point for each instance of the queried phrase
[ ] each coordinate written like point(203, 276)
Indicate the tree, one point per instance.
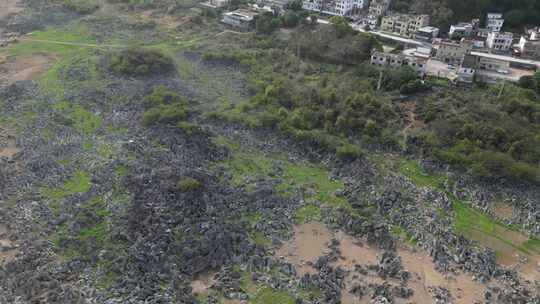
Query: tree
point(342, 27)
point(266, 23)
point(290, 19)
point(528, 82)
point(295, 5)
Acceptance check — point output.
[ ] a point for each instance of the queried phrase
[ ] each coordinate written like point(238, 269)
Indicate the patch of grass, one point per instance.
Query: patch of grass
point(57, 80)
point(468, 221)
point(259, 238)
point(532, 245)
point(46, 41)
point(412, 170)
point(79, 118)
point(98, 232)
point(308, 213)
point(403, 234)
point(121, 170)
point(80, 182)
point(267, 295)
point(222, 141)
point(188, 184)
point(246, 168)
point(315, 178)
point(253, 218)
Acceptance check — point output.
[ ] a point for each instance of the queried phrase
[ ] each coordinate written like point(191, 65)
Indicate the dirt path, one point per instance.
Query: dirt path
point(409, 110)
point(92, 45)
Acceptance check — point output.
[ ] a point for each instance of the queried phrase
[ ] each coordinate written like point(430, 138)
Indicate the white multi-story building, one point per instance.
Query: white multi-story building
point(494, 22)
point(419, 64)
point(404, 24)
point(499, 41)
point(335, 7)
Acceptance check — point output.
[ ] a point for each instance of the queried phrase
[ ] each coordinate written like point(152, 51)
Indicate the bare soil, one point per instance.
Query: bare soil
point(8, 255)
point(311, 241)
point(9, 7)
point(202, 285)
point(308, 244)
point(19, 68)
point(503, 210)
point(409, 111)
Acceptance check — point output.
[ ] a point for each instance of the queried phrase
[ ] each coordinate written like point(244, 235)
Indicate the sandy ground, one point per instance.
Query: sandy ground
point(13, 69)
point(9, 7)
point(202, 285)
point(6, 256)
point(311, 241)
point(308, 244)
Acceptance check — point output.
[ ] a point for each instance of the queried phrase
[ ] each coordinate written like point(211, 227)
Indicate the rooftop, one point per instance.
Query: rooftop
point(469, 62)
point(243, 13)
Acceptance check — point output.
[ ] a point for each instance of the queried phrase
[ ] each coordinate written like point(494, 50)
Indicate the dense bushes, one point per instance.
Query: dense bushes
point(517, 14)
point(165, 107)
point(188, 184)
point(140, 62)
point(489, 136)
point(336, 44)
point(82, 7)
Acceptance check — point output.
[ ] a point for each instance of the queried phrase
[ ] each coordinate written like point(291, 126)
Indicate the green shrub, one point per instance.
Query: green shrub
point(349, 152)
point(82, 7)
point(141, 62)
point(188, 184)
point(167, 114)
point(164, 106)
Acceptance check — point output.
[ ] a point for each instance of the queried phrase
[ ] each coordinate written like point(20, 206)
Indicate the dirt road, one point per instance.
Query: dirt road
point(9, 7)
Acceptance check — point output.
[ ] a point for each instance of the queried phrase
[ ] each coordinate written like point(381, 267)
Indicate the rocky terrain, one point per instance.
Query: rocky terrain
point(97, 206)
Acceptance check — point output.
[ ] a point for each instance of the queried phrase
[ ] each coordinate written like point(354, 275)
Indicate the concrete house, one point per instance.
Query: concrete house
point(452, 52)
point(404, 24)
point(529, 47)
point(494, 22)
point(334, 7)
point(500, 41)
point(467, 69)
point(396, 61)
point(242, 19)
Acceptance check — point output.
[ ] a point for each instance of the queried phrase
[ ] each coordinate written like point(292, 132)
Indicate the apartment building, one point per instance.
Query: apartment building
point(377, 9)
point(494, 22)
point(427, 33)
point(334, 7)
point(452, 52)
point(467, 69)
point(500, 41)
point(529, 46)
point(396, 61)
point(404, 24)
point(460, 30)
point(242, 19)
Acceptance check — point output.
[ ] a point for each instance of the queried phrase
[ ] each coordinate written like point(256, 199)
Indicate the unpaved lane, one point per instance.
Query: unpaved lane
point(9, 7)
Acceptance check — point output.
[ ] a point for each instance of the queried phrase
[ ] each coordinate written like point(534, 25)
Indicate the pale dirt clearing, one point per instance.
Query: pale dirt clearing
point(9, 7)
point(19, 68)
point(308, 244)
point(8, 250)
point(310, 241)
point(203, 283)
